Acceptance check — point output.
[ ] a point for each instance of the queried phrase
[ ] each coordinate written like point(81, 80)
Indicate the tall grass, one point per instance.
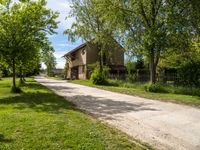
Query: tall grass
point(157, 88)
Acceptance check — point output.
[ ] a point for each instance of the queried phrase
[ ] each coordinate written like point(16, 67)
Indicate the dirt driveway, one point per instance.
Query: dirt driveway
point(161, 124)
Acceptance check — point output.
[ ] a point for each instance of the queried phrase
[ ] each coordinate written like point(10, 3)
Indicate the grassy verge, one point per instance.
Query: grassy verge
point(139, 90)
point(39, 119)
point(55, 78)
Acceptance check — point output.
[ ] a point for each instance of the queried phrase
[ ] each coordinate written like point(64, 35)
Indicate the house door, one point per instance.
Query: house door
point(74, 73)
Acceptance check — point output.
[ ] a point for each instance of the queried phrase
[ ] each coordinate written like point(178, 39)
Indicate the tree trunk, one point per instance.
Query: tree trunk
point(100, 64)
point(21, 75)
point(14, 73)
point(152, 67)
point(100, 58)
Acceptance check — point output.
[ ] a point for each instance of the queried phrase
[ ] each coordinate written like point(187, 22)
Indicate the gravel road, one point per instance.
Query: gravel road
point(165, 126)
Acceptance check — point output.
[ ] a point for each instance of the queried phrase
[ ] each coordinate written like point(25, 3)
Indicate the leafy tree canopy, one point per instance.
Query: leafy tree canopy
point(23, 31)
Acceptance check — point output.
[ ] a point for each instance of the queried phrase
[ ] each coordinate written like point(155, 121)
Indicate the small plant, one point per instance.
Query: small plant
point(156, 88)
point(131, 78)
point(16, 90)
point(100, 78)
point(51, 75)
point(130, 66)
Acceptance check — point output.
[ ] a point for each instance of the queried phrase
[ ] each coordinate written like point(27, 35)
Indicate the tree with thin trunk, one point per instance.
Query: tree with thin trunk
point(148, 27)
point(24, 26)
point(90, 27)
point(50, 61)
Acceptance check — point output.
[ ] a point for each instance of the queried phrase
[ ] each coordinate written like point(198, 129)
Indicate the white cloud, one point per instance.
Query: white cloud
point(63, 7)
point(60, 63)
point(59, 54)
point(66, 45)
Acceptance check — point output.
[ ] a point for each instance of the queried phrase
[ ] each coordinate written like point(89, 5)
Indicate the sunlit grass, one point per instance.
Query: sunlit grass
point(39, 119)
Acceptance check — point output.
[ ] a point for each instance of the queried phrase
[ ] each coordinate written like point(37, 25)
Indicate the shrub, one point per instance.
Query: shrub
point(189, 74)
point(156, 88)
point(131, 78)
point(100, 78)
point(187, 91)
point(51, 75)
point(114, 82)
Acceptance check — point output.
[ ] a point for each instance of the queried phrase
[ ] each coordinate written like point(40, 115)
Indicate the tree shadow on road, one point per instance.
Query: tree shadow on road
point(105, 107)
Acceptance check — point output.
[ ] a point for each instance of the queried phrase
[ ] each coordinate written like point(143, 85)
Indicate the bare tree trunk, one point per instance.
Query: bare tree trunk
point(21, 75)
point(152, 67)
point(14, 73)
point(100, 58)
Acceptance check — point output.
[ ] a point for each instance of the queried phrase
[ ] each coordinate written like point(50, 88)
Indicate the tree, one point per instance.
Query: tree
point(50, 61)
point(27, 66)
point(148, 27)
point(47, 56)
point(23, 30)
point(2, 65)
point(90, 27)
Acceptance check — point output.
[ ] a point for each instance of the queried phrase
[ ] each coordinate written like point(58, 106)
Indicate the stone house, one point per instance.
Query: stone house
point(78, 60)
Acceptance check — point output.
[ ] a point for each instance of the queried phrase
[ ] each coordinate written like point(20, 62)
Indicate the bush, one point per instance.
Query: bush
point(156, 88)
point(16, 90)
point(51, 75)
point(189, 74)
point(187, 91)
point(100, 78)
point(131, 78)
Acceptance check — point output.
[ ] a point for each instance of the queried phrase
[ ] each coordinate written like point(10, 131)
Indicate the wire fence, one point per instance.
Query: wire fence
point(144, 76)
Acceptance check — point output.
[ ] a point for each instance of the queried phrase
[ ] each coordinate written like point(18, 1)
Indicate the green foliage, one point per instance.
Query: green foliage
point(160, 88)
point(1, 74)
point(88, 25)
point(189, 74)
point(91, 27)
point(130, 66)
point(150, 28)
point(51, 74)
point(98, 77)
point(186, 91)
point(155, 88)
point(23, 33)
point(50, 61)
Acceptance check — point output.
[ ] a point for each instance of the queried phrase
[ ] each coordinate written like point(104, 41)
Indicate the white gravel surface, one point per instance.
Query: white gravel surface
point(163, 125)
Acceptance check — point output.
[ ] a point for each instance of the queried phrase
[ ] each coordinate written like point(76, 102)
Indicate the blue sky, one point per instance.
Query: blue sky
point(60, 41)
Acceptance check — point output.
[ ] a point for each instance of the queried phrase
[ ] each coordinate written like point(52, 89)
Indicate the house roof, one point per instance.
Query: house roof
point(83, 45)
point(76, 49)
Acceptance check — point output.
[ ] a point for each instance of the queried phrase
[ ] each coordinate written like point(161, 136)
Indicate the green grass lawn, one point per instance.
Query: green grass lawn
point(138, 90)
point(40, 120)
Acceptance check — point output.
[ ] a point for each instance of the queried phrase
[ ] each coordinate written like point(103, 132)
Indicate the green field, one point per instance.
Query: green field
point(39, 119)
